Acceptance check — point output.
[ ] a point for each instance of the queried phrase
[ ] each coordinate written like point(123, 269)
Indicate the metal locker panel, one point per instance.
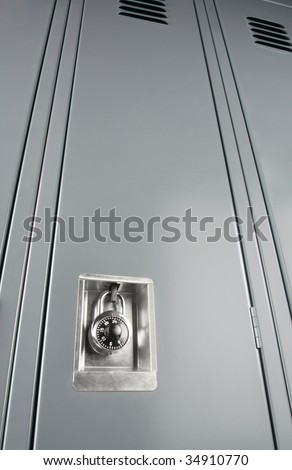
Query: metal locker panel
point(17, 250)
point(19, 419)
point(239, 157)
point(24, 27)
point(260, 72)
point(143, 138)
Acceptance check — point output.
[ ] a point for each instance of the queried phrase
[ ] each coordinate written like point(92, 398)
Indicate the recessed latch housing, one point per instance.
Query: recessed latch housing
point(115, 343)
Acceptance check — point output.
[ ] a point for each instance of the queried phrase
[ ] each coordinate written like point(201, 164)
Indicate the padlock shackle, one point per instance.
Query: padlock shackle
point(100, 303)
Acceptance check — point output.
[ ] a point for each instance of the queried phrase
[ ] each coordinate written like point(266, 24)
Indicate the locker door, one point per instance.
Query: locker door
point(143, 138)
point(258, 40)
point(24, 30)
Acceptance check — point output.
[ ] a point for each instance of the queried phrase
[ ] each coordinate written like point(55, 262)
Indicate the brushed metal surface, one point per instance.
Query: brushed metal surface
point(133, 368)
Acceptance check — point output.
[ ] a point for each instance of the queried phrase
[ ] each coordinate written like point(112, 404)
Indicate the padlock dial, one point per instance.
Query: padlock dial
point(112, 333)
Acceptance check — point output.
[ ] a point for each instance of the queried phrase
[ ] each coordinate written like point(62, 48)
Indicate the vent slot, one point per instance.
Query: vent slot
point(267, 28)
point(265, 22)
point(142, 5)
point(269, 34)
point(138, 11)
point(273, 35)
point(149, 10)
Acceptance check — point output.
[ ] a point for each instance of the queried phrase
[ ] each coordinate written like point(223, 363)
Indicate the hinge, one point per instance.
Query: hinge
point(256, 328)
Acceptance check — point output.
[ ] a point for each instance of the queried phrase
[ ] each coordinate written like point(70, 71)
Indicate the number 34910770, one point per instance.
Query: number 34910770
point(229, 459)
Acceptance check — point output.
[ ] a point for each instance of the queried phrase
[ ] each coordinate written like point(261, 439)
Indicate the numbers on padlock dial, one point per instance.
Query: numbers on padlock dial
point(112, 333)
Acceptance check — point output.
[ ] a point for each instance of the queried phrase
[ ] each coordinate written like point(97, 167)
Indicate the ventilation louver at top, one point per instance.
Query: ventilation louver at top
point(269, 34)
point(149, 10)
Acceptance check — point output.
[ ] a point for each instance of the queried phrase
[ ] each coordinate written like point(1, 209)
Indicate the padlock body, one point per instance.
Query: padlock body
point(109, 332)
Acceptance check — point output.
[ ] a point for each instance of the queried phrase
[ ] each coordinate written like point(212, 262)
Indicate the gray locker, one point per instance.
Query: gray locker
point(154, 110)
point(29, 60)
point(261, 71)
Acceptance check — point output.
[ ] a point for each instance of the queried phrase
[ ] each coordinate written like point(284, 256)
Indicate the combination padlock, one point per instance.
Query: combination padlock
point(110, 330)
